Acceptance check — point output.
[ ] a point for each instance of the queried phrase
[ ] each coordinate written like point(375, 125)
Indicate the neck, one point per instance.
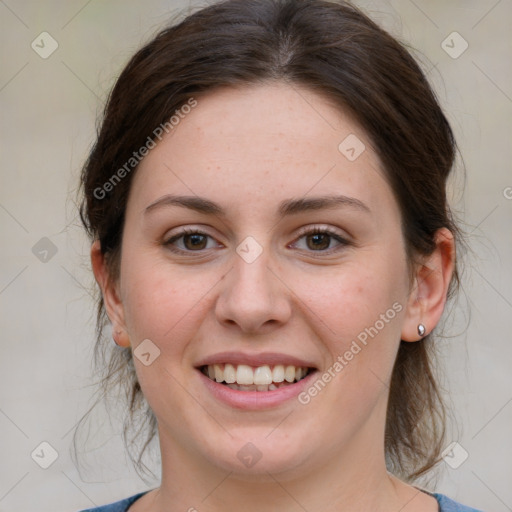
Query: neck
point(353, 479)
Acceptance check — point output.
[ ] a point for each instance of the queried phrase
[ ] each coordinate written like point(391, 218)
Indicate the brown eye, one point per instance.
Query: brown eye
point(190, 240)
point(194, 241)
point(318, 241)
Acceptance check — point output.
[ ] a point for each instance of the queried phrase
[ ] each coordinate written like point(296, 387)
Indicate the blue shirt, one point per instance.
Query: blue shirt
point(445, 504)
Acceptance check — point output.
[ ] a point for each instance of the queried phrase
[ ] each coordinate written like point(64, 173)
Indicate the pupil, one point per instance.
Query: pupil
point(195, 241)
point(320, 237)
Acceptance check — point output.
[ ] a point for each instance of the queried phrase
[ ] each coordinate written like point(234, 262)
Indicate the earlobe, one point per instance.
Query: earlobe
point(428, 295)
point(121, 338)
point(111, 299)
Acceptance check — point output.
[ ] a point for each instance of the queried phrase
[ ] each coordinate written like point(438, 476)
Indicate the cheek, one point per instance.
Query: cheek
point(351, 298)
point(167, 306)
point(161, 302)
point(360, 307)
point(363, 318)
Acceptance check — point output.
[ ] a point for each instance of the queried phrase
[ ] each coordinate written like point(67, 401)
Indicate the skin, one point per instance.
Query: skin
point(248, 149)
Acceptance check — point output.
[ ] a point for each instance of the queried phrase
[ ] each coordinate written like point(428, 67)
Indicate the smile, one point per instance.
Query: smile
point(243, 377)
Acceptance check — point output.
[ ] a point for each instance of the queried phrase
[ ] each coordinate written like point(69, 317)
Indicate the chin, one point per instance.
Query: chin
point(261, 454)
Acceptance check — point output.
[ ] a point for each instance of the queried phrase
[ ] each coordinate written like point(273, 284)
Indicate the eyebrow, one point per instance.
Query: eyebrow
point(288, 207)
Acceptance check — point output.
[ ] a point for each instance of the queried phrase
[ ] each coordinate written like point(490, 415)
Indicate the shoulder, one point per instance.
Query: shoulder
point(118, 506)
point(446, 504)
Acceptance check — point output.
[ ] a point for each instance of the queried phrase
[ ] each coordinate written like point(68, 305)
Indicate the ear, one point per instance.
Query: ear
point(431, 281)
point(109, 289)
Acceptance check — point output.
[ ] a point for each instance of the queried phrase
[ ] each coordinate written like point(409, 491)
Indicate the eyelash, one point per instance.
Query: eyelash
point(315, 230)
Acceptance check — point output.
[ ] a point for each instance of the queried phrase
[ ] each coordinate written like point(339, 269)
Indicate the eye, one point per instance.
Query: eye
point(189, 240)
point(320, 239)
point(317, 239)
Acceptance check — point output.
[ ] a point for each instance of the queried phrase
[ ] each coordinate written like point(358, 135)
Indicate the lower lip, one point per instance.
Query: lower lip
point(254, 400)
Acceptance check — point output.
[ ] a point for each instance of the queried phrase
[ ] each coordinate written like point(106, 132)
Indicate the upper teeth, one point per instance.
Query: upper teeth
point(260, 375)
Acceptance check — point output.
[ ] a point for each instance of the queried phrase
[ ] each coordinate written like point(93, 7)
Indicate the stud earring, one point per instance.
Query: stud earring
point(421, 329)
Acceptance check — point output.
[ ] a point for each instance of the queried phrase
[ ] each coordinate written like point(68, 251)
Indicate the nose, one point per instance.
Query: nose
point(253, 296)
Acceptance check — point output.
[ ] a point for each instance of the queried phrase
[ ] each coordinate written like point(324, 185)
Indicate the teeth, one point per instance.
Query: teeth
point(219, 374)
point(263, 375)
point(244, 375)
point(262, 378)
point(254, 387)
point(289, 373)
point(229, 373)
point(278, 373)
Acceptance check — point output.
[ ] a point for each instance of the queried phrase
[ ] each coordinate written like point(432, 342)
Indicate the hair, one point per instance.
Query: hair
point(335, 50)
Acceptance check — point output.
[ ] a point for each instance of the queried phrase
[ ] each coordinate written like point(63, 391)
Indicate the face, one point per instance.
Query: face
point(286, 261)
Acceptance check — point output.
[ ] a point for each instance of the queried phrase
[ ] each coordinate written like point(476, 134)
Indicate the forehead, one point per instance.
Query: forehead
point(242, 146)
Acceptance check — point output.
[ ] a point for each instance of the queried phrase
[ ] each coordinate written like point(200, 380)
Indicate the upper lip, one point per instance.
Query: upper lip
point(256, 359)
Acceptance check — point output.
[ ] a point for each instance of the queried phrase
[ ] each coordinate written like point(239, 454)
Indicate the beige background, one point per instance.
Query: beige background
point(48, 112)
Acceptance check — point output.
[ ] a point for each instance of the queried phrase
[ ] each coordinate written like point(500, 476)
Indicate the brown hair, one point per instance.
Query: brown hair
point(337, 51)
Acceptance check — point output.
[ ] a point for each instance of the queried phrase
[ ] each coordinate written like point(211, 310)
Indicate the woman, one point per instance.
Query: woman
point(273, 244)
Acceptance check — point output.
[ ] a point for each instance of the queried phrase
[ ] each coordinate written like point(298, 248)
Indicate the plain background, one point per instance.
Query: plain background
point(48, 116)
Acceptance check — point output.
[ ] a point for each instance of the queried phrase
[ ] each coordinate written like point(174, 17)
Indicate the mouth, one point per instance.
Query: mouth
point(263, 378)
